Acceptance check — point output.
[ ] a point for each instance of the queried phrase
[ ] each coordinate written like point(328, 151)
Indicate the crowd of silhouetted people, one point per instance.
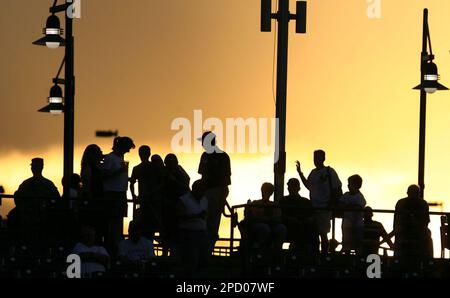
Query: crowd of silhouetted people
point(187, 217)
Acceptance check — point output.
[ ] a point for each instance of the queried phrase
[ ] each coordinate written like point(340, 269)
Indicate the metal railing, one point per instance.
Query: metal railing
point(444, 230)
point(227, 250)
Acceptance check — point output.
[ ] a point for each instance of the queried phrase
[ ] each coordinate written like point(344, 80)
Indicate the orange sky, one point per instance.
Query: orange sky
point(142, 64)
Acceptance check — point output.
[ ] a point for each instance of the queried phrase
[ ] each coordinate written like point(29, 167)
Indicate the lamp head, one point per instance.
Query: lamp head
point(53, 32)
point(55, 94)
point(55, 101)
point(430, 78)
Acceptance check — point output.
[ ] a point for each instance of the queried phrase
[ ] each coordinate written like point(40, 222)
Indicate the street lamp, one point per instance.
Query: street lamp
point(57, 103)
point(428, 84)
point(52, 32)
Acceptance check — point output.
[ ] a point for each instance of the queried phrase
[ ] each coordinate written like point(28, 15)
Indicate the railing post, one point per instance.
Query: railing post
point(232, 230)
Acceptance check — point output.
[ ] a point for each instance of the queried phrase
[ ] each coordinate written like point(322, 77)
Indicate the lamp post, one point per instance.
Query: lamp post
point(428, 84)
point(53, 40)
point(283, 16)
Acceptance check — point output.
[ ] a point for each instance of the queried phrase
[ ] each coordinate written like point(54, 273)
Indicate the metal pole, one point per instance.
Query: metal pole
point(282, 60)
point(69, 91)
point(423, 105)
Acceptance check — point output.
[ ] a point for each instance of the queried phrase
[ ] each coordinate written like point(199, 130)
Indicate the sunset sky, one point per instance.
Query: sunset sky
point(140, 64)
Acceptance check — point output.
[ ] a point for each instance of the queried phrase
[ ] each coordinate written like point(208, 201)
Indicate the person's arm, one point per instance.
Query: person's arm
point(132, 182)
point(302, 177)
point(227, 170)
point(201, 165)
point(396, 218)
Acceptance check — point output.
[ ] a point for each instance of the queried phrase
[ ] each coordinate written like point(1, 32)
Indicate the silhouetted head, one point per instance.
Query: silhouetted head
point(122, 145)
point(92, 155)
point(87, 236)
point(368, 213)
point(144, 153)
point(157, 161)
point(37, 165)
point(293, 186)
point(319, 158)
point(198, 189)
point(413, 192)
point(354, 183)
point(75, 181)
point(267, 190)
point(171, 161)
point(208, 140)
point(135, 231)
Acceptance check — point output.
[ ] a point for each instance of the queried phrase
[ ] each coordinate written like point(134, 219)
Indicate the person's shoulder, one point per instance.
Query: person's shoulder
point(48, 181)
point(26, 182)
point(377, 224)
point(79, 248)
point(304, 200)
point(331, 169)
point(401, 203)
point(100, 250)
point(360, 196)
point(256, 202)
point(346, 195)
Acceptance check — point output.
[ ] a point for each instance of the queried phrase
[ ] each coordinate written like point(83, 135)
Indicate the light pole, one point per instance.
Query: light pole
point(428, 84)
point(53, 40)
point(283, 16)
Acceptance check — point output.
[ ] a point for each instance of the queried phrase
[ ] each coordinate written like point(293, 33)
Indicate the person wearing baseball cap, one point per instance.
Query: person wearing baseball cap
point(215, 170)
point(30, 199)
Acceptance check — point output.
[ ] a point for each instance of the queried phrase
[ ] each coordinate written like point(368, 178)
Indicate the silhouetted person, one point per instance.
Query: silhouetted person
point(136, 248)
point(176, 184)
point(31, 199)
point(322, 183)
point(94, 258)
point(91, 172)
point(157, 198)
point(61, 215)
point(373, 232)
point(74, 186)
point(192, 211)
point(93, 213)
point(298, 217)
point(412, 236)
point(147, 176)
point(266, 229)
point(352, 222)
point(115, 185)
point(216, 171)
